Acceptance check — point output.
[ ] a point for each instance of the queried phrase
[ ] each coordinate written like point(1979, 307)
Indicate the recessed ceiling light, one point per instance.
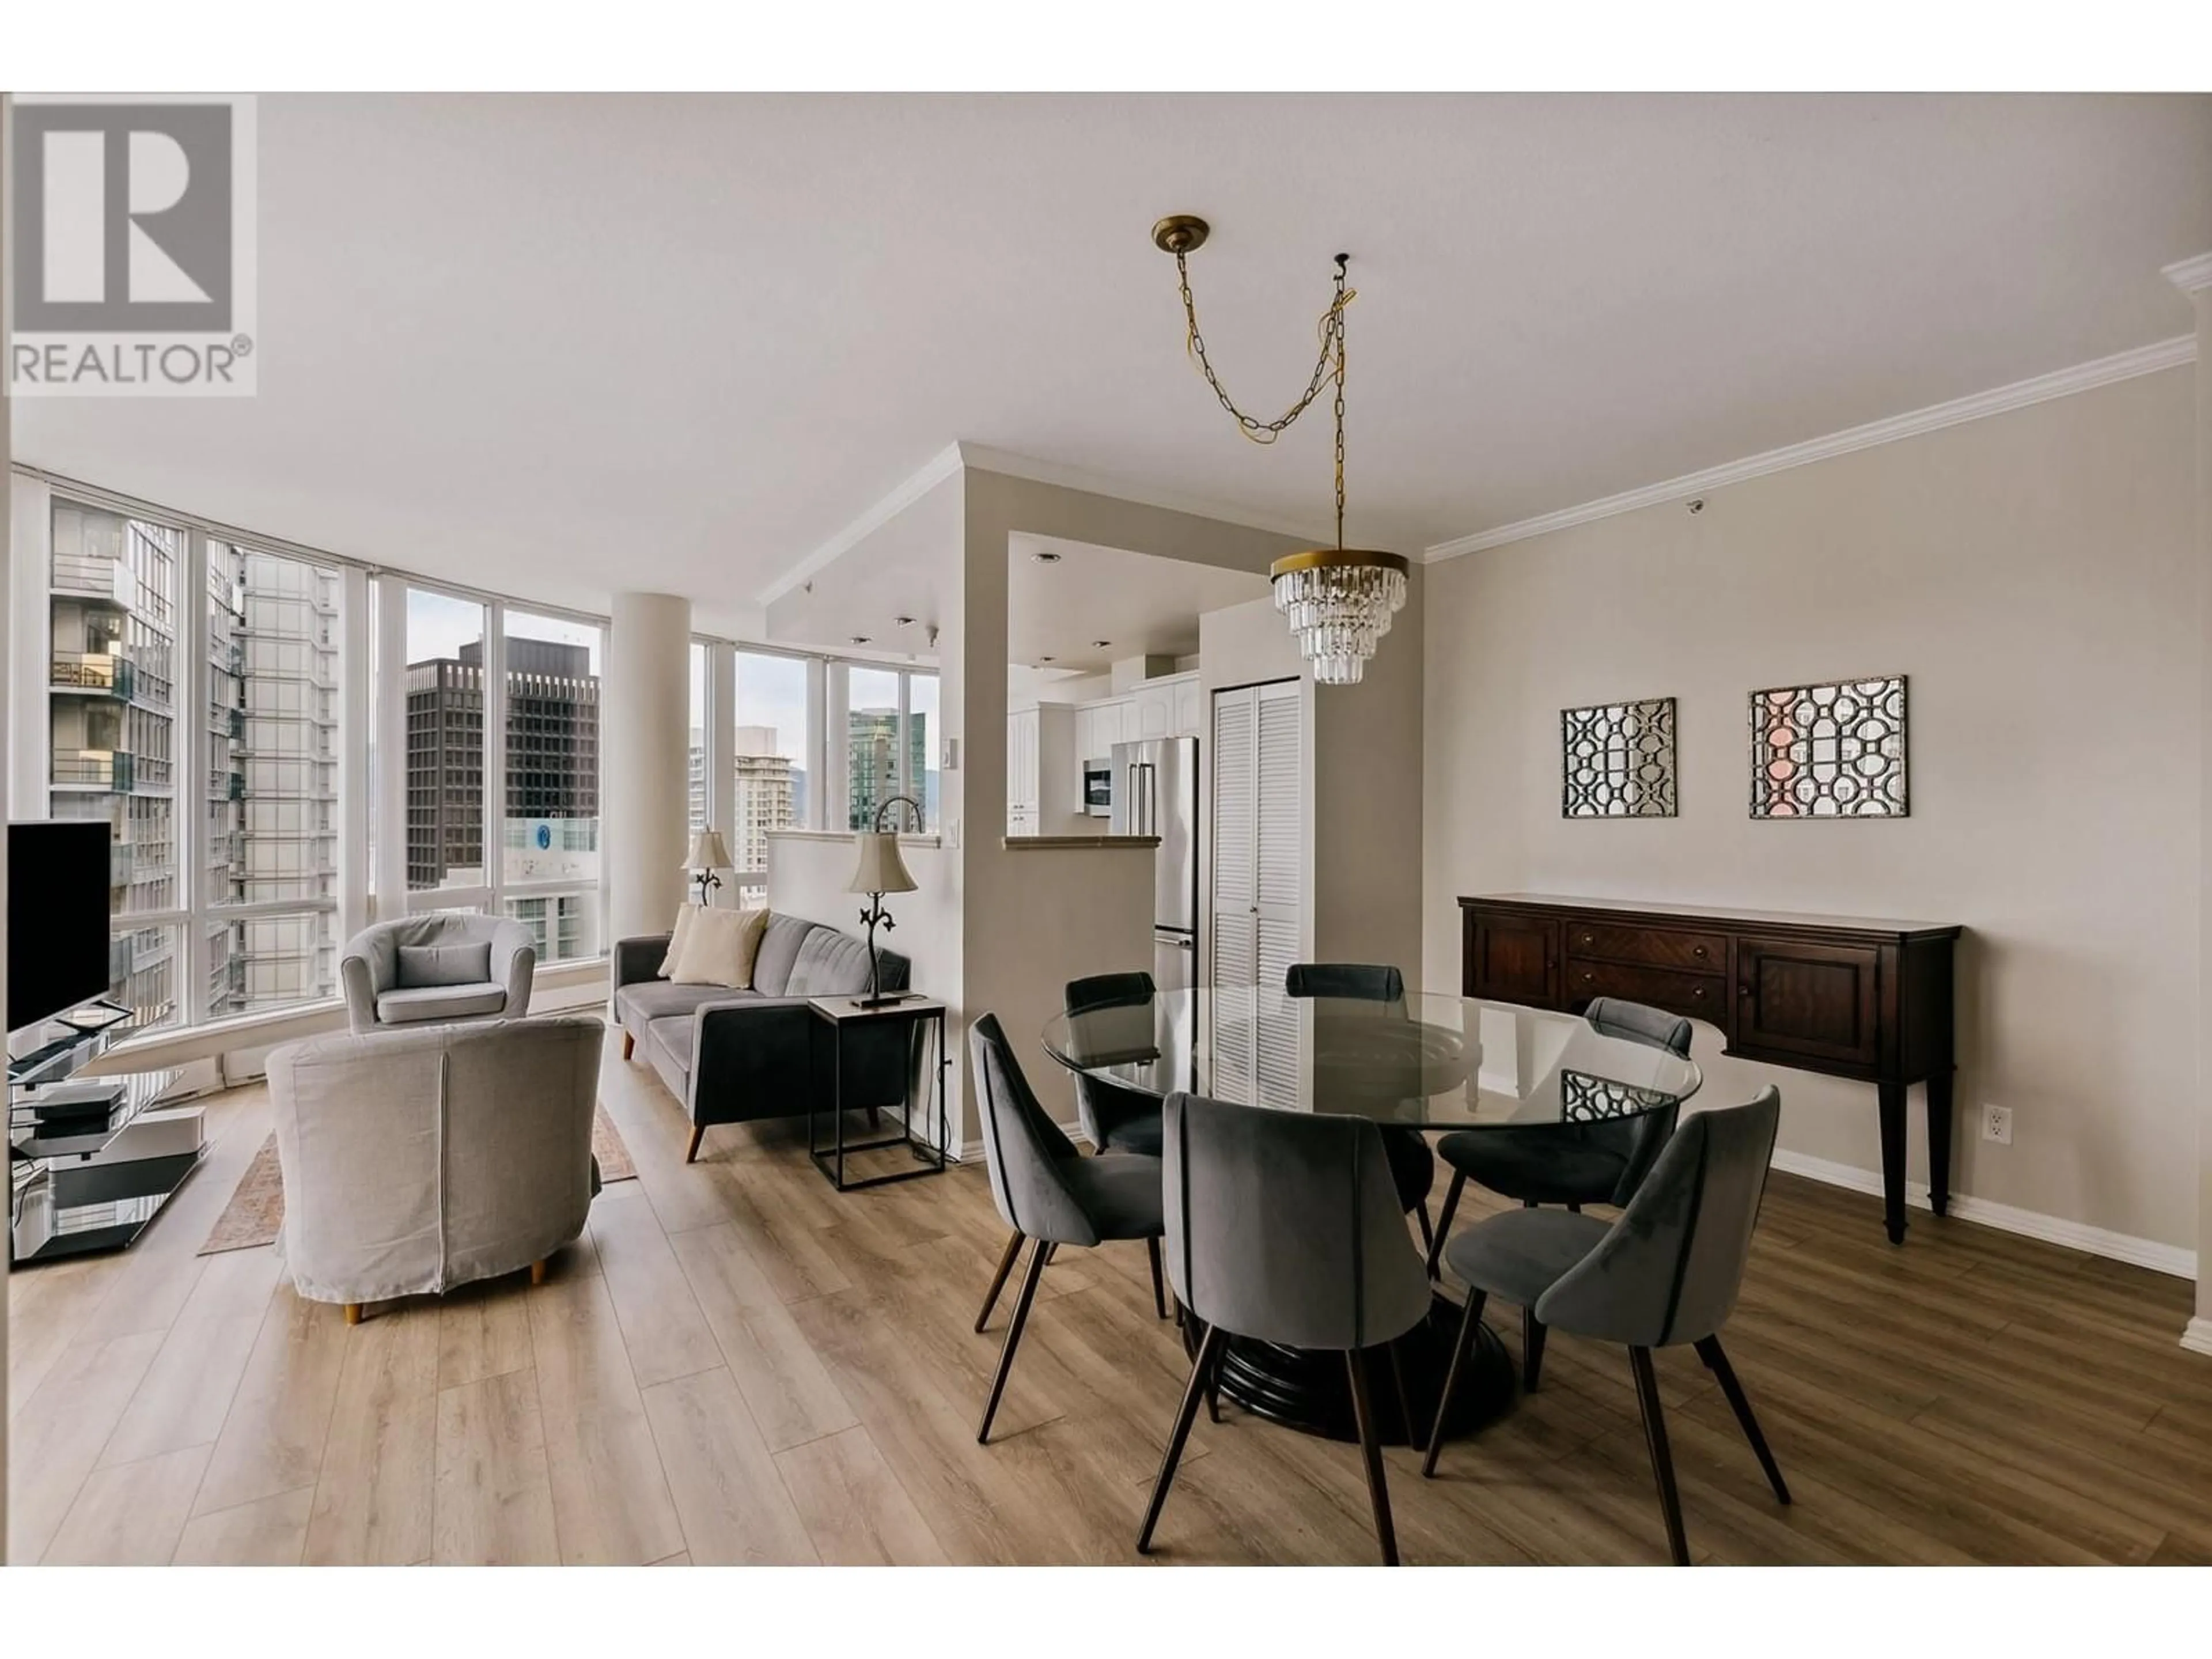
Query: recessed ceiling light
point(904, 622)
point(1100, 645)
point(1046, 558)
point(859, 639)
point(1048, 660)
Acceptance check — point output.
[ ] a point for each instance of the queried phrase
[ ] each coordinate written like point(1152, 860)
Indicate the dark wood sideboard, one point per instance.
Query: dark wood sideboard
point(1849, 997)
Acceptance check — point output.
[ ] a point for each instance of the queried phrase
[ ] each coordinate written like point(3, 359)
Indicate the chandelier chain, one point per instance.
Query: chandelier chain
point(1328, 366)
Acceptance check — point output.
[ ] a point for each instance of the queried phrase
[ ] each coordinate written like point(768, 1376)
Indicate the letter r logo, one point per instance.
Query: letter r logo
point(122, 217)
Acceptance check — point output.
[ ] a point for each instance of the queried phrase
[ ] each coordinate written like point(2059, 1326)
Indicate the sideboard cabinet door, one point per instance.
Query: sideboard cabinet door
point(1800, 1000)
point(1512, 958)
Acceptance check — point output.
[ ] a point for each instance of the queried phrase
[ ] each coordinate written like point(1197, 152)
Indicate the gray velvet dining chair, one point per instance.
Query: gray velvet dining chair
point(1569, 1163)
point(1285, 1227)
point(1412, 1165)
point(1047, 1191)
point(1665, 1273)
point(1116, 1120)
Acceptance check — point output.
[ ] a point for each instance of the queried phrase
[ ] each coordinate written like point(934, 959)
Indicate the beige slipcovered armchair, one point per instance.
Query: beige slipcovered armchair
point(436, 969)
point(417, 1160)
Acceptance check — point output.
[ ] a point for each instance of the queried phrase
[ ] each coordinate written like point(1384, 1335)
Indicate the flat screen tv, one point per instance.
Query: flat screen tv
point(57, 918)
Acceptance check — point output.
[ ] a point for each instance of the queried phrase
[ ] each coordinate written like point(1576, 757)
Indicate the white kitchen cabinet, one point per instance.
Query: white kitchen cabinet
point(1153, 711)
point(1189, 708)
point(1045, 772)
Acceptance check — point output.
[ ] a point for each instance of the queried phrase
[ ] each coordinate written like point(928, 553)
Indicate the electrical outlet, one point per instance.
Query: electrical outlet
point(1997, 1124)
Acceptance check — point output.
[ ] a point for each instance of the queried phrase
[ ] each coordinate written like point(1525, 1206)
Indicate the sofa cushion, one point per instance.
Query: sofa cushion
point(779, 949)
point(831, 964)
point(638, 1006)
point(454, 961)
point(677, 1036)
point(421, 1003)
point(683, 914)
point(718, 948)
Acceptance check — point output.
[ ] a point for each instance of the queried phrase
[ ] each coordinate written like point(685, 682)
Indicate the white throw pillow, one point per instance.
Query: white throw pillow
point(718, 948)
point(668, 963)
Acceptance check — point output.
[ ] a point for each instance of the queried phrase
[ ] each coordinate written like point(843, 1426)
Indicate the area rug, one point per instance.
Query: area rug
point(256, 1210)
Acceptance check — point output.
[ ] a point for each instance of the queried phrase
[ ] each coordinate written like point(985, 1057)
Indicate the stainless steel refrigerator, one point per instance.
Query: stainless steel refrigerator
point(1156, 794)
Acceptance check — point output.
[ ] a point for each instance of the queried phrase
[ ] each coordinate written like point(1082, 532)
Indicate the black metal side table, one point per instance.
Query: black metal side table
point(850, 1016)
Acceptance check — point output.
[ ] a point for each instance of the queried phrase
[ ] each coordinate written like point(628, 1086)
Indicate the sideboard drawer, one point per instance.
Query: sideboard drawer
point(1695, 996)
point(1660, 947)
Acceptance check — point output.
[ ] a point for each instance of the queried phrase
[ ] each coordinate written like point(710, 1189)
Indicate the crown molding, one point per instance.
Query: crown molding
point(903, 494)
point(2060, 383)
point(2191, 276)
point(981, 458)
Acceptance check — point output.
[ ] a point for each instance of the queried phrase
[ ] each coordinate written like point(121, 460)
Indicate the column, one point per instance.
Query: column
point(2194, 278)
point(645, 741)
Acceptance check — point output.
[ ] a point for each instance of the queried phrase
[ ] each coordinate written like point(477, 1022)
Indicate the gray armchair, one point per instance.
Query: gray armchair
point(417, 1160)
point(437, 969)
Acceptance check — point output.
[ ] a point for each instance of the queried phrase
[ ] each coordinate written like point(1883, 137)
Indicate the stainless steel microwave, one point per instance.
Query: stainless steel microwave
point(1098, 788)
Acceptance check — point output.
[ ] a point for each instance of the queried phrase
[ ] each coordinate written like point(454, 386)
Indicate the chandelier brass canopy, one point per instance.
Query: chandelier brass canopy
point(1340, 600)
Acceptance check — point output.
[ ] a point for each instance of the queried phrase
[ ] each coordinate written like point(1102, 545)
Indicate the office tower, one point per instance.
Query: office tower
point(765, 798)
point(877, 769)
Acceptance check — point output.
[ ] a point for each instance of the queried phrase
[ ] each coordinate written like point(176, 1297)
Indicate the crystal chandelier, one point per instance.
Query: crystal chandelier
point(1340, 600)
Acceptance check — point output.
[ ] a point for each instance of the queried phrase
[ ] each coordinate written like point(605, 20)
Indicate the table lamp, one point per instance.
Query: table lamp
point(881, 871)
point(708, 855)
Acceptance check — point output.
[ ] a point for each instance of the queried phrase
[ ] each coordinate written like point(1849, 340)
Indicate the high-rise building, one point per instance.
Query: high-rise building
point(765, 798)
point(877, 767)
point(698, 785)
point(271, 829)
point(548, 799)
point(111, 722)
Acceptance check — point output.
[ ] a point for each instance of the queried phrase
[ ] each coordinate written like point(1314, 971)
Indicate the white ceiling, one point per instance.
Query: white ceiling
point(1139, 605)
point(564, 345)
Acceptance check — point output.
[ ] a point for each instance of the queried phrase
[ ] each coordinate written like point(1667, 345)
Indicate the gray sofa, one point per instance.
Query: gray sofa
point(733, 1056)
point(417, 1160)
point(436, 969)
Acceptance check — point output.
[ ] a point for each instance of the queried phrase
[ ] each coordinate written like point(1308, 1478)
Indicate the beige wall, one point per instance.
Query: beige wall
point(2037, 575)
point(2200, 1331)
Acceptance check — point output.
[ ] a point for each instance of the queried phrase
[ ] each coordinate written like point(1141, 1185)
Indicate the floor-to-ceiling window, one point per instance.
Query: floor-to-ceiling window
point(698, 747)
point(444, 761)
point(111, 710)
point(548, 872)
point(770, 761)
point(270, 843)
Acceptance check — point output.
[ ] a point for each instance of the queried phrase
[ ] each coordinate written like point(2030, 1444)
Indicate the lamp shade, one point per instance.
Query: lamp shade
point(881, 870)
point(706, 851)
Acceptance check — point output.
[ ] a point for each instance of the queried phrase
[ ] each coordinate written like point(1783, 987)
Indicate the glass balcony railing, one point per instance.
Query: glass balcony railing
point(94, 768)
point(102, 673)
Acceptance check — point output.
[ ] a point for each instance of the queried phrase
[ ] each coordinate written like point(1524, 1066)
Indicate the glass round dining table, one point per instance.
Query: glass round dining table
point(1418, 1062)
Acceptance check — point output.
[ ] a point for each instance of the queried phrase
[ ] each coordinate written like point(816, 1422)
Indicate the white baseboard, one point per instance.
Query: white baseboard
point(2198, 1339)
point(2006, 1218)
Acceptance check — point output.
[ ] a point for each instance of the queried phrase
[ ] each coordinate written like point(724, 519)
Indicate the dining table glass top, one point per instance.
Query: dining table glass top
point(1430, 1061)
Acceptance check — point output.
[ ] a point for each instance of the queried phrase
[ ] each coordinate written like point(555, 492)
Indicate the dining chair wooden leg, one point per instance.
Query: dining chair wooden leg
point(1371, 1453)
point(1460, 1347)
point(1213, 1375)
point(1404, 1399)
point(1428, 1232)
point(1717, 1364)
point(1443, 1221)
point(1532, 1349)
point(1037, 1259)
point(999, 1280)
point(1209, 1351)
point(1159, 1283)
point(1662, 1459)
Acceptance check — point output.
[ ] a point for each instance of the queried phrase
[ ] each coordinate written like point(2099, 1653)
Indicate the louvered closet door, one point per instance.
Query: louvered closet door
point(1257, 862)
point(1235, 890)
point(1278, 844)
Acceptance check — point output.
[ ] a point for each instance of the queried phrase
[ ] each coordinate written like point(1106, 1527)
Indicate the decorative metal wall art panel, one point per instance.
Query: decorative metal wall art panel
point(1618, 760)
point(1829, 751)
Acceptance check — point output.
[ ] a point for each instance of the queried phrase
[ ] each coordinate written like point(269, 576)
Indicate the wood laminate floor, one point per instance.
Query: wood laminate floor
point(737, 1365)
